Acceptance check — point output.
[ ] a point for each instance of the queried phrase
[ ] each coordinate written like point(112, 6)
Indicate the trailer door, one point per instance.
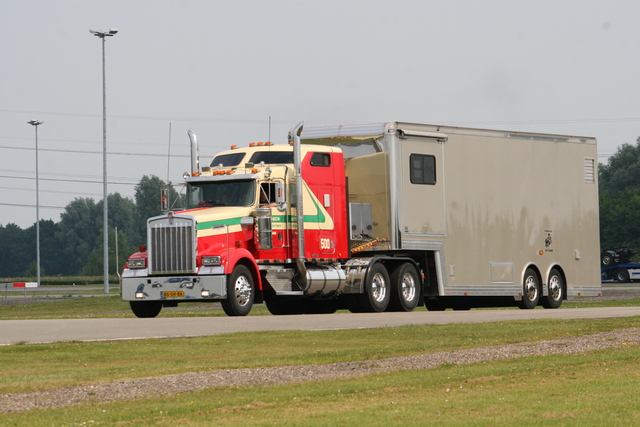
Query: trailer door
point(421, 207)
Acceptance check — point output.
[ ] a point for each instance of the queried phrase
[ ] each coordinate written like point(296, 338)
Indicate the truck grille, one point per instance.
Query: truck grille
point(172, 245)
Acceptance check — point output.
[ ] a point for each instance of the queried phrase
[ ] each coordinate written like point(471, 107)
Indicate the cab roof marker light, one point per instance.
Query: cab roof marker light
point(233, 147)
point(252, 144)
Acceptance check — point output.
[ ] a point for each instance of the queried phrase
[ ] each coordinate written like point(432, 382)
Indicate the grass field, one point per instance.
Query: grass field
point(594, 388)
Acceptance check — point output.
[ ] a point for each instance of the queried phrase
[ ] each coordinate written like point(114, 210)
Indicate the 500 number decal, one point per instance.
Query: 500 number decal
point(325, 244)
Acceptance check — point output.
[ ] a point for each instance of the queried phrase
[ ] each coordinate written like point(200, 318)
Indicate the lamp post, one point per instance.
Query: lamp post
point(103, 35)
point(37, 123)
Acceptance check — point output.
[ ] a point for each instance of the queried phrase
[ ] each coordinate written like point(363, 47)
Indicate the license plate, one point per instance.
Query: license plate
point(173, 294)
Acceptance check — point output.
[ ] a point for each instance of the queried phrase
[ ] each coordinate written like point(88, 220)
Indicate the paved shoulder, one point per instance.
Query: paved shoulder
point(42, 331)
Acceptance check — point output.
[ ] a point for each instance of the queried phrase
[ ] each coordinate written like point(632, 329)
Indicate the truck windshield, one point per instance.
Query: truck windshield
point(220, 193)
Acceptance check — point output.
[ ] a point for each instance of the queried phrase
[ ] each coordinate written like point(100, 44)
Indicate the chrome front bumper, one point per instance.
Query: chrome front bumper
point(173, 288)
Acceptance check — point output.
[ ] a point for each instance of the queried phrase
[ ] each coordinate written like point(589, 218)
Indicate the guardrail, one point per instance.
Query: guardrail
point(24, 285)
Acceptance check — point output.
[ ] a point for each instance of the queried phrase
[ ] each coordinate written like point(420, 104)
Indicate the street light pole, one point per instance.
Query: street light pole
point(105, 222)
point(37, 123)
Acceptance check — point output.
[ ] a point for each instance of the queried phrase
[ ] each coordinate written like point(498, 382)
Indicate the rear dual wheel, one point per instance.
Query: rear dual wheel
point(377, 291)
point(405, 288)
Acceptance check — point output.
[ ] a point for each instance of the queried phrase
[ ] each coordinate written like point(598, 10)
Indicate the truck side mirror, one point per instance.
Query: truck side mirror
point(281, 197)
point(164, 199)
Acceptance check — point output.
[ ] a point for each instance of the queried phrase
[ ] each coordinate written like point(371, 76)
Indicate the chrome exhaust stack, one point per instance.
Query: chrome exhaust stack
point(301, 276)
point(195, 154)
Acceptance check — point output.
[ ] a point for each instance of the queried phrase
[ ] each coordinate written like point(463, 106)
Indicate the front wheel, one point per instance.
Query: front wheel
point(144, 309)
point(530, 290)
point(555, 290)
point(240, 292)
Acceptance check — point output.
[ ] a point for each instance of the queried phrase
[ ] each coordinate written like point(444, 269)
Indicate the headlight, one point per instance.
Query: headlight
point(136, 263)
point(210, 260)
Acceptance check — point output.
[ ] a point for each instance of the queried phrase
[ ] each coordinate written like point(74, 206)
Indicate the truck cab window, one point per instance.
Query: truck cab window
point(272, 157)
point(321, 159)
point(267, 193)
point(227, 160)
point(423, 169)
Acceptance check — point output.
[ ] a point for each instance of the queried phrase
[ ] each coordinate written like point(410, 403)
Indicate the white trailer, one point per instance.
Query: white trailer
point(488, 215)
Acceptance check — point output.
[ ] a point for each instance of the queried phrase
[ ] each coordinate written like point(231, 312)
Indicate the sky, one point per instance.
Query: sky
point(247, 71)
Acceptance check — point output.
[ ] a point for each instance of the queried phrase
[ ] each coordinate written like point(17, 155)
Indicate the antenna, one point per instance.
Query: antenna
point(169, 153)
point(269, 129)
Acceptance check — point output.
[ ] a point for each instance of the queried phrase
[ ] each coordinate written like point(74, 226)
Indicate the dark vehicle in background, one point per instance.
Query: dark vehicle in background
point(617, 264)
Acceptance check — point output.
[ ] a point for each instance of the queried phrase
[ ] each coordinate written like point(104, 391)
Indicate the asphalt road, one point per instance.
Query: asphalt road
point(53, 330)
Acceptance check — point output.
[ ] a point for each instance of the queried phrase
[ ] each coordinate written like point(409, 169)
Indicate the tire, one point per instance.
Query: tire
point(555, 290)
point(352, 303)
point(530, 290)
point(145, 309)
point(377, 290)
point(622, 275)
point(606, 259)
point(240, 292)
point(405, 288)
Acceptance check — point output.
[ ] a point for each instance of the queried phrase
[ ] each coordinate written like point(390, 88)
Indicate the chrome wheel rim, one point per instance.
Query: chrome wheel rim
point(530, 289)
point(378, 287)
point(555, 288)
point(409, 290)
point(243, 290)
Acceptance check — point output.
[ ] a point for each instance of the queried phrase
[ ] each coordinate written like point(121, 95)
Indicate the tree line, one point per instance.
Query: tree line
point(619, 187)
point(74, 245)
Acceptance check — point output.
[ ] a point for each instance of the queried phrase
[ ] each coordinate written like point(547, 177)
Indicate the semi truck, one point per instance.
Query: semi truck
point(378, 217)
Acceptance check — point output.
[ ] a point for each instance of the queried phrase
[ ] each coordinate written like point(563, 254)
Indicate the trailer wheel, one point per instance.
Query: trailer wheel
point(555, 291)
point(622, 275)
point(377, 290)
point(145, 309)
point(240, 292)
point(530, 290)
point(405, 288)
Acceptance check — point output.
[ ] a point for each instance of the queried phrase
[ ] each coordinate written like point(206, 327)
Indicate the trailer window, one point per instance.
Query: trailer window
point(423, 169)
